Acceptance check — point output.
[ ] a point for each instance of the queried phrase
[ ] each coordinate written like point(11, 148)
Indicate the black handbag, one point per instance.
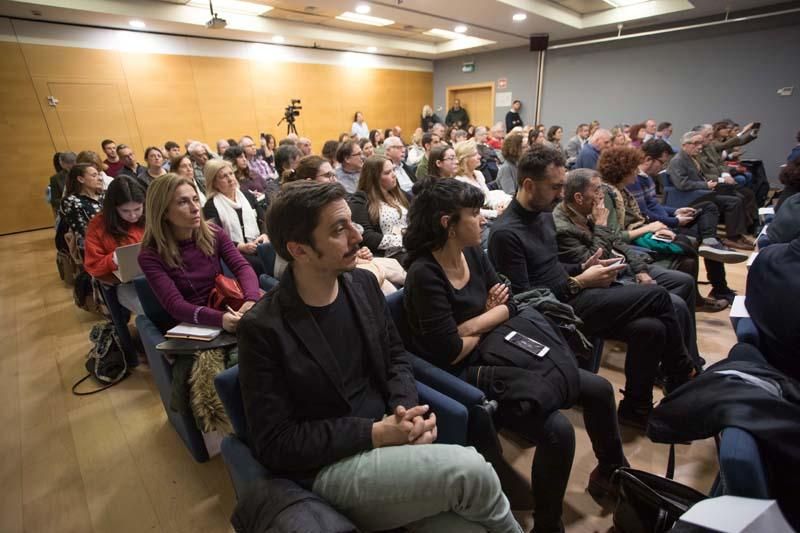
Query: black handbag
point(649, 503)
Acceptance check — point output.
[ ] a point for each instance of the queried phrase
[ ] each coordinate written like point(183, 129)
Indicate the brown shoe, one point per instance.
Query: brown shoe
point(710, 305)
point(738, 244)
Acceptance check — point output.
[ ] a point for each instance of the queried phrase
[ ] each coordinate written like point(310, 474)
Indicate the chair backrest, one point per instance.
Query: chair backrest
point(266, 252)
point(398, 312)
point(229, 391)
point(151, 306)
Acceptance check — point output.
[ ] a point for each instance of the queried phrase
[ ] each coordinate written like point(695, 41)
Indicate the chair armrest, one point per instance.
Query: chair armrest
point(742, 471)
point(746, 331)
point(448, 384)
point(243, 468)
point(452, 418)
point(267, 282)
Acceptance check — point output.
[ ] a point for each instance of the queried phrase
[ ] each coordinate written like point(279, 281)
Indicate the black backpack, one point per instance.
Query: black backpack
point(105, 362)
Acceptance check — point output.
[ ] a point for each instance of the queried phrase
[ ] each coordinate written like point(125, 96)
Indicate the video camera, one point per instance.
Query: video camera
point(292, 110)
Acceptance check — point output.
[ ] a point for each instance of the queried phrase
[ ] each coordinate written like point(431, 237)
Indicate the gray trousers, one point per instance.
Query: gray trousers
point(434, 487)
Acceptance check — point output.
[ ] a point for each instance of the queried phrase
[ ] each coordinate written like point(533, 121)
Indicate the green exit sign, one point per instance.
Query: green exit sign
point(469, 66)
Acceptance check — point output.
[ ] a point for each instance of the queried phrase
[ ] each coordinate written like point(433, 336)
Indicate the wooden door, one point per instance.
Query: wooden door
point(477, 99)
point(88, 113)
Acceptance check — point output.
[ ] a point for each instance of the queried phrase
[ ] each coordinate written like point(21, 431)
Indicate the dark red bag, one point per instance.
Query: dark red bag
point(226, 293)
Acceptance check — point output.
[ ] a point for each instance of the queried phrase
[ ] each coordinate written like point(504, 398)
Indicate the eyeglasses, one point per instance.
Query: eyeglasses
point(359, 154)
point(451, 158)
point(329, 175)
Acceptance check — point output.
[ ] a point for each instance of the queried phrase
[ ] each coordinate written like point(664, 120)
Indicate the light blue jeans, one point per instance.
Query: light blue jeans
point(434, 487)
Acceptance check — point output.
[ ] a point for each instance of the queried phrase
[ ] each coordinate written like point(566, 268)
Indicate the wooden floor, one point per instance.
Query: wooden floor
point(111, 463)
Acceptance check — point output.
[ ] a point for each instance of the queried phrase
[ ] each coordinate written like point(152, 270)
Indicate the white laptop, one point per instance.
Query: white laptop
point(128, 261)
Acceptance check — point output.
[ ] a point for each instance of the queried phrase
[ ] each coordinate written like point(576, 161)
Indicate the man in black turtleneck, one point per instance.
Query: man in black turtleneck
point(522, 246)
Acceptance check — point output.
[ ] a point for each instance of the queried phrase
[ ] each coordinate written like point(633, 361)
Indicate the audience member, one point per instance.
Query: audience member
point(359, 129)
point(92, 158)
point(590, 153)
point(130, 167)
point(199, 155)
point(790, 178)
point(698, 222)
point(113, 163)
point(664, 132)
point(395, 152)
point(380, 207)
point(457, 116)
point(366, 147)
point(536, 136)
point(786, 225)
point(716, 141)
point(350, 158)
point(490, 163)
point(594, 126)
point(576, 144)
point(637, 135)
point(554, 135)
point(618, 137)
point(443, 162)
point(184, 167)
point(222, 146)
point(458, 311)
point(468, 162)
point(181, 256)
point(259, 169)
point(358, 419)
point(429, 118)
point(287, 157)
point(523, 246)
point(685, 174)
point(235, 210)
point(83, 199)
point(507, 174)
point(649, 129)
point(312, 168)
point(794, 155)
point(773, 288)
point(329, 150)
point(513, 120)
point(344, 136)
point(63, 163)
point(429, 140)
point(120, 223)
point(256, 186)
point(304, 144)
point(171, 150)
point(154, 169)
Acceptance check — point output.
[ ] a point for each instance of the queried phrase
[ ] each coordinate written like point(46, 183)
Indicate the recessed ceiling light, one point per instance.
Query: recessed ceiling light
point(445, 34)
point(349, 16)
point(232, 7)
point(278, 39)
point(138, 24)
point(460, 29)
point(363, 9)
point(372, 49)
point(519, 17)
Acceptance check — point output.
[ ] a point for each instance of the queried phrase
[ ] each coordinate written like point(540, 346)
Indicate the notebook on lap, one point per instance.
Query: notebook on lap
point(128, 261)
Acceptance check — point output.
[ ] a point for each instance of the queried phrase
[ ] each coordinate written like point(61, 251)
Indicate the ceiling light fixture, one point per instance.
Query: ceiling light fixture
point(349, 16)
point(519, 17)
point(625, 3)
point(460, 29)
point(138, 24)
point(232, 7)
point(363, 9)
point(444, 34)
point(372, 49)
point(279, 39)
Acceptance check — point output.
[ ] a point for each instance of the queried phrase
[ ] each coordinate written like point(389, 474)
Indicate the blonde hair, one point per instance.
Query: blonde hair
point(427, 111)
point(158, 232)
point(210, 172)
point(464, 150)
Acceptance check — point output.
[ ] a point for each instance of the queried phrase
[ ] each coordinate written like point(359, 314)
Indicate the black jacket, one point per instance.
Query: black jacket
point(292, 389)
point(713, 401)
point(281, 506)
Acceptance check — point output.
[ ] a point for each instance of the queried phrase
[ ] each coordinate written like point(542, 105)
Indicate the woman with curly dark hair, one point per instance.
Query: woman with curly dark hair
point(637, 134)
point(459, 313)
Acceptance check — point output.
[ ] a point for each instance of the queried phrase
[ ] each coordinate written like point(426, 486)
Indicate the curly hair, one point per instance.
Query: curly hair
point(434, 199)
point(790, 174)
point(618, 162)
point(512, 147)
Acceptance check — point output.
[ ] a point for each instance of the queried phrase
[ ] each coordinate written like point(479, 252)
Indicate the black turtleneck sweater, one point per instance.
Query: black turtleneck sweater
point(523, 247)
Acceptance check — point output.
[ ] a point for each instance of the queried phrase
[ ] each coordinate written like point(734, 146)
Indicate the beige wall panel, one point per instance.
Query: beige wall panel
point(73, 63)
point(225, 95)
point(420, 92)
point(26, 147)
point(164, 98)
point(273, 87)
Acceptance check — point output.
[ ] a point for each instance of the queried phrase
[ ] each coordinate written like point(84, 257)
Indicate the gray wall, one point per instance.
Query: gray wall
point(684, 77)
point(517, 65)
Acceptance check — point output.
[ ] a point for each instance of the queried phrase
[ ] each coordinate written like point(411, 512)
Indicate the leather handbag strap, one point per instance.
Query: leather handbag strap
point(671, 462)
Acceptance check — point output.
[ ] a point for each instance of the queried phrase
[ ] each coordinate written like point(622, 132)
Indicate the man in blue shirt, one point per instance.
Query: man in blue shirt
point(590, 153)
point(699, 222)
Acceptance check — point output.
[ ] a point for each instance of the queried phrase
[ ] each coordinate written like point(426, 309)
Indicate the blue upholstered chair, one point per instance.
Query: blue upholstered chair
point(266, 252)
point(244, 469)
point(151, 326)
point(746, 331)
point(676, 198)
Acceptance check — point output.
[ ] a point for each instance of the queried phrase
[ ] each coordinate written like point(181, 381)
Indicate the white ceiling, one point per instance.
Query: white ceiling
point(311, 22)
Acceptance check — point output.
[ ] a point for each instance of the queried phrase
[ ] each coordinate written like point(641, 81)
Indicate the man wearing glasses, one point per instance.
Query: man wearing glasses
point(351, 160)
point(685, 174)
point(395, 150)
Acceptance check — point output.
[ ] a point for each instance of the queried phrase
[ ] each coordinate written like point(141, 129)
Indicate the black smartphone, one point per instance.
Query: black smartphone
point(756, 125)
point(527, 344)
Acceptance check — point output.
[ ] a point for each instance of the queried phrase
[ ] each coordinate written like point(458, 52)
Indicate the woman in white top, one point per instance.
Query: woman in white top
point(468, 162)
point(234, 210)
point(359, 127)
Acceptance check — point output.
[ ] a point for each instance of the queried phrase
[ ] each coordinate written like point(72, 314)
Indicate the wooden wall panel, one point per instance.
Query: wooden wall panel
point(26, 147)
point(225, 96)
point(164, 98)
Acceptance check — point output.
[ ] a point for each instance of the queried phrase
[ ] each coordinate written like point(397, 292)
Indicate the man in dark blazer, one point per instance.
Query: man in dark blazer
point(328, 390)
point(685, 174)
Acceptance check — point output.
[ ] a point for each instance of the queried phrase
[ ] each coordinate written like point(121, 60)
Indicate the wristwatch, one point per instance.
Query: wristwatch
point(574, 286)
